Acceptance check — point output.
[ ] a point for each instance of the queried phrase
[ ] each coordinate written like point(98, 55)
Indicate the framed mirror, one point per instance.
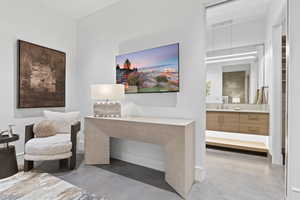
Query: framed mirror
point(237, 76)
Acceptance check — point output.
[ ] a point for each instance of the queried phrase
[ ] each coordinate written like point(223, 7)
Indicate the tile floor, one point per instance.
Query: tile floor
point(230, 176)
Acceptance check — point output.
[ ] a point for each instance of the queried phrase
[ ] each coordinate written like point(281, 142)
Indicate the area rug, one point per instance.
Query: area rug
point(41, 186)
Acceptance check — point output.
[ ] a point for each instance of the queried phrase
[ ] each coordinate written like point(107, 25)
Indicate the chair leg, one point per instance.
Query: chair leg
point(63, 163)
point(74, 151)
point(73, 161)
point(28, 165)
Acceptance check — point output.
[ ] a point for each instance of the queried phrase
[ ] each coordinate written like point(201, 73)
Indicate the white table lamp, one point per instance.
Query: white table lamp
point(107, 97)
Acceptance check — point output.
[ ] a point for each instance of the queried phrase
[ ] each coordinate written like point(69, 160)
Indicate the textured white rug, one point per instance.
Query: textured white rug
point(41, 186)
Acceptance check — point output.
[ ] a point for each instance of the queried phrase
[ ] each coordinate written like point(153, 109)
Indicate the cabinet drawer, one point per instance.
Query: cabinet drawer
point(222, 121)
point(250, 118)
point(254, 129)
point(254, 123)
point(212, 121)
point(249, 123)
point(230, 122)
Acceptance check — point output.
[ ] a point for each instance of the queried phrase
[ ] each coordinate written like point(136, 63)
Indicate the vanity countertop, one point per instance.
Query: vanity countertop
point(238, 111)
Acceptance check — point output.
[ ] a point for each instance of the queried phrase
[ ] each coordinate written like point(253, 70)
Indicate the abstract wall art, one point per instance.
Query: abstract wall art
point(41, 76)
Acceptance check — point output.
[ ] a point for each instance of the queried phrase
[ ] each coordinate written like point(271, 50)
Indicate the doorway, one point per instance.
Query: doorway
point(246, 83)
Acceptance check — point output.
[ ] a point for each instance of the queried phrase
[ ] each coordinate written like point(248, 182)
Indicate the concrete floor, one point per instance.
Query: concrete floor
point(230, 176)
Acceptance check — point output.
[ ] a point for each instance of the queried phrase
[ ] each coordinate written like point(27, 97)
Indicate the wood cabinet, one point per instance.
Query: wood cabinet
point(212, 121)
point(238, 122)
point(254, 123)
point(222, 122)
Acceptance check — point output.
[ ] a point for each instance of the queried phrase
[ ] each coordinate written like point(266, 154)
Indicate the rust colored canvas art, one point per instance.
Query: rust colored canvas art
point(42, 73)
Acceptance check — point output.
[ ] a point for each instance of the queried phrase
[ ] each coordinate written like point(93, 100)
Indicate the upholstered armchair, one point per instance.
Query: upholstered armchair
point(61, 146)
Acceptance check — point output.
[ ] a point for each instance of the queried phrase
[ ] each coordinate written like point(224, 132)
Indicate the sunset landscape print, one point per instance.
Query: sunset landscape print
point(150, 71)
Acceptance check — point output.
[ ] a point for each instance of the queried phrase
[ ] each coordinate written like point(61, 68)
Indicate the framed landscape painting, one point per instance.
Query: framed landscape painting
point(149, 71)
point(41, 76)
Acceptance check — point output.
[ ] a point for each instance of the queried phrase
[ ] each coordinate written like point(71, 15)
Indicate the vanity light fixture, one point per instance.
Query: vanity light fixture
point(230, 59)
point(232, 55)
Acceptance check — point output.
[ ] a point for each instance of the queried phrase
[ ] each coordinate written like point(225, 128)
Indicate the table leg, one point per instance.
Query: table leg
point(180, 161)
point(96, 145)
point(28, 165)
point(8, 160)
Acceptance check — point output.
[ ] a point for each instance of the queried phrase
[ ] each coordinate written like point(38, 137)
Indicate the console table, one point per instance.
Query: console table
point(176, 135)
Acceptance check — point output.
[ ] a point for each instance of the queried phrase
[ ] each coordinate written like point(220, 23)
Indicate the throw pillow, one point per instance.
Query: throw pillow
point(63, 121)
point(45, 128)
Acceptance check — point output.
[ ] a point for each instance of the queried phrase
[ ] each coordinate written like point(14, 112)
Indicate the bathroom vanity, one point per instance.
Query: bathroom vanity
point(238, 121)
point(237, 107)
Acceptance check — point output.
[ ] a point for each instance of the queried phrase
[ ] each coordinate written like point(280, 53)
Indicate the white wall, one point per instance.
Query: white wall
point(293, 101)
point(274, 22)
point(29, 21)
point(243, 34)
point(112, 31)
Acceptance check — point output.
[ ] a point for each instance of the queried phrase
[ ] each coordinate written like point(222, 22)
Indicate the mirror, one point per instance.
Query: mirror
point(236, 76)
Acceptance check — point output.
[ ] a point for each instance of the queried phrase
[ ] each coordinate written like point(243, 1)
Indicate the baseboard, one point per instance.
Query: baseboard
point(200, 174)
point(277, 160)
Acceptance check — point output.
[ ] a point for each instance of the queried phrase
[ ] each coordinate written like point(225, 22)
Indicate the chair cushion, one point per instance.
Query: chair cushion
point(44, 128)
point(62, 121)
point(47, 157)
point(57, 144)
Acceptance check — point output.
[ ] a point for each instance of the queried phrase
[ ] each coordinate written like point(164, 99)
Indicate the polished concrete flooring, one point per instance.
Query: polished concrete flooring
point(230, 176)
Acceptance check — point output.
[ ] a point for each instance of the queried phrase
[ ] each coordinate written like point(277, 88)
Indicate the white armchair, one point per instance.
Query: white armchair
point(61, 146)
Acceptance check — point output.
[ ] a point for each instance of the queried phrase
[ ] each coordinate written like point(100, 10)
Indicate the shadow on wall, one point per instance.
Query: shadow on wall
point(153, 99)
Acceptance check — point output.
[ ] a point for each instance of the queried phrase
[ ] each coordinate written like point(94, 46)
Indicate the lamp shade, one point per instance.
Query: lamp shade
point(107, 92)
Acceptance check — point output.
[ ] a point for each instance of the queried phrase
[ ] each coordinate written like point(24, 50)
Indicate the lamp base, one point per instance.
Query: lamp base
point(107, 109)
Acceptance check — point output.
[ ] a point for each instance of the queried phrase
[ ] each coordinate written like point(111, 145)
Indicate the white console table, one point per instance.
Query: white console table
point(176, 135)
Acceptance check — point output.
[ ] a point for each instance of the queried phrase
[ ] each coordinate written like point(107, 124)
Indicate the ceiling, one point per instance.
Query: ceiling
point(77, 9)
point(237, 11)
